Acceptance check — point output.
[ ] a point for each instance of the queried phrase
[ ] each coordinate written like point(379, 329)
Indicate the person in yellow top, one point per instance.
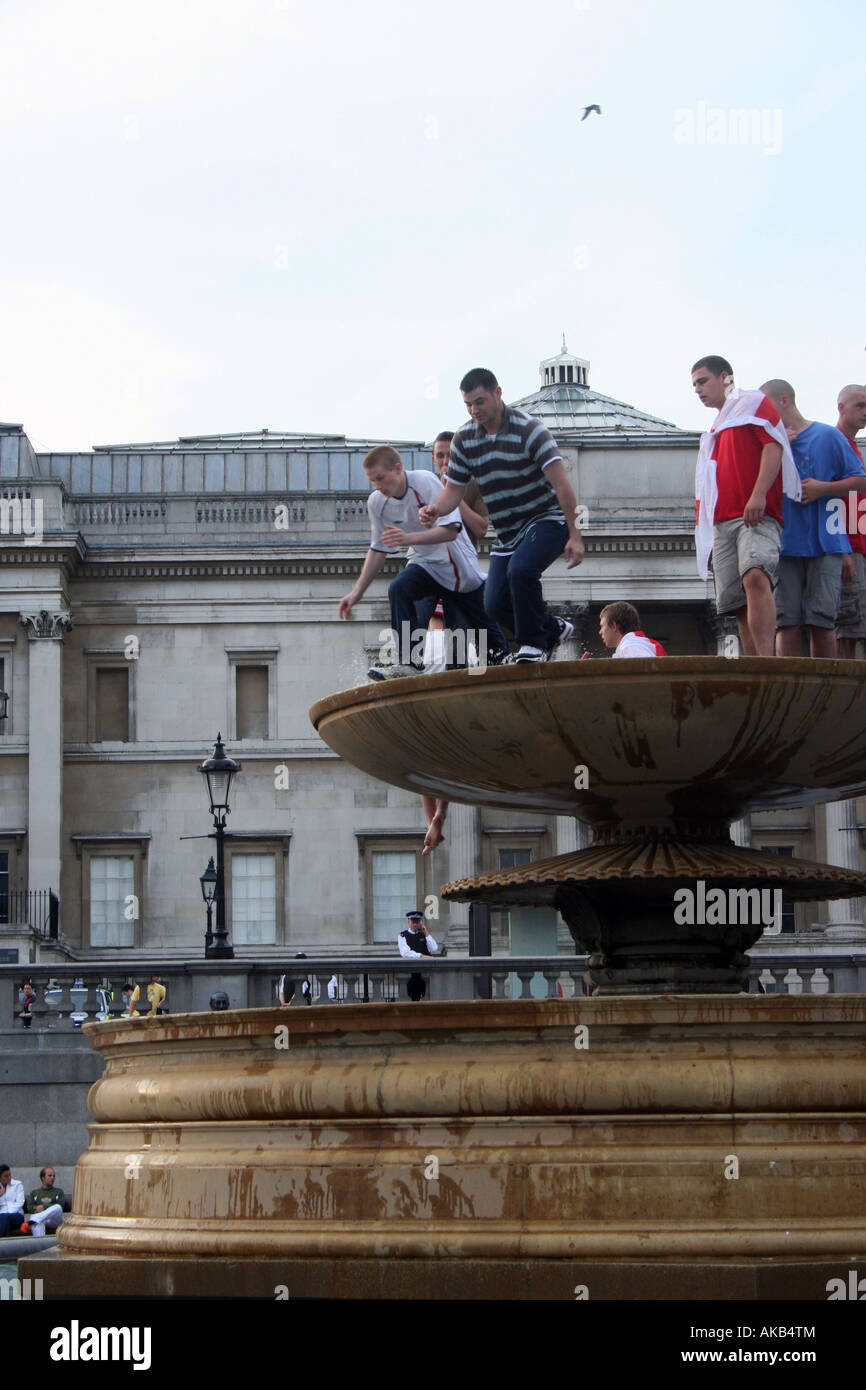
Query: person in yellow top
point(155, 995)
point(130, 994)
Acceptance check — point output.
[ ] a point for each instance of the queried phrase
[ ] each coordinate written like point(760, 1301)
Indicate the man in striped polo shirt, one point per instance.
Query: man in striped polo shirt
point(522, 478)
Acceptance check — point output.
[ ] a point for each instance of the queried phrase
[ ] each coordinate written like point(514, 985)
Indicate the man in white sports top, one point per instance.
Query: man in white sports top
point(620, 632)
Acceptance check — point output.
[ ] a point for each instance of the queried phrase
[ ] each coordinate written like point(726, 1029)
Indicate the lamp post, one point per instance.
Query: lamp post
point(219, 772)
point(208, 883)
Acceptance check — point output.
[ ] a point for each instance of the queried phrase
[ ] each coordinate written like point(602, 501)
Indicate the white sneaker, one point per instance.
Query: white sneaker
point(392, 673)
point(566, 630)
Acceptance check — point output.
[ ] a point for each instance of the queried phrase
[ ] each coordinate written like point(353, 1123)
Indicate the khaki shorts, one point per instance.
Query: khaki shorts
point(851, 618)
point(807, 594)
point(738, 548)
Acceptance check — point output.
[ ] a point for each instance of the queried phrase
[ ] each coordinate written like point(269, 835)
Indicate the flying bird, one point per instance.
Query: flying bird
point(587, 109)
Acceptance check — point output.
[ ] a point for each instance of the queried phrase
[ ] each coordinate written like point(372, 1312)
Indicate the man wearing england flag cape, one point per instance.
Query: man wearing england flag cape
point(744, 466)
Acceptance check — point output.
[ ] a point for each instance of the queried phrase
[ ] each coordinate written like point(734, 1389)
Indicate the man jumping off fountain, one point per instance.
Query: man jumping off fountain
point(739, 501)
point(522, 478)
point(442, 562)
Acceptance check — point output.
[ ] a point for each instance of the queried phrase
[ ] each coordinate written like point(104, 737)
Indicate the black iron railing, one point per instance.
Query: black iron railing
point(39, 909)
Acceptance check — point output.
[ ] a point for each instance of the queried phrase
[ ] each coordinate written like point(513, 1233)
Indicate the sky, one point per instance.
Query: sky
point(224, 216)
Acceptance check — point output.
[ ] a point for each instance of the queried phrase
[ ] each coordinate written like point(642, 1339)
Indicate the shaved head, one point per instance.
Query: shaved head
point(777, 388)
point(852, 410)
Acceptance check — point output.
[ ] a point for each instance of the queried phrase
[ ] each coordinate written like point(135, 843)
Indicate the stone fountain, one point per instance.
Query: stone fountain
point(669, 1137)
point(658, 760)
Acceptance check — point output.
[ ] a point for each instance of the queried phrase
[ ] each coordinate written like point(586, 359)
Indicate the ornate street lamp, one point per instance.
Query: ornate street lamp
point(208, 883)
point(219, 772)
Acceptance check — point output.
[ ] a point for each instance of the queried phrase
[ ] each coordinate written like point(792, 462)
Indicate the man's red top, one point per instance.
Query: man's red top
point(738, 459)
point(858, 542)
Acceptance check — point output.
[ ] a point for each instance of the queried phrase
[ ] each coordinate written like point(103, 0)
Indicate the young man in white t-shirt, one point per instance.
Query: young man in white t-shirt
point(619, 631)
point(442, 560)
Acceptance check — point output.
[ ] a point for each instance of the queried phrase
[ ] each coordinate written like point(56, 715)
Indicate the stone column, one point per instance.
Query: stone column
point(463, 838)
point(845, 921)
point(571, 835)
point(741, 832)
point(45, 747)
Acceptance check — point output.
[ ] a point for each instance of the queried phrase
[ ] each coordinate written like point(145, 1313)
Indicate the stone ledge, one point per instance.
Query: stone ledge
point(11, 1247)
point(96, 1277)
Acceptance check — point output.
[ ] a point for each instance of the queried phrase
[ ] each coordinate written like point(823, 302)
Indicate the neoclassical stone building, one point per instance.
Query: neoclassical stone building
point(153, 595)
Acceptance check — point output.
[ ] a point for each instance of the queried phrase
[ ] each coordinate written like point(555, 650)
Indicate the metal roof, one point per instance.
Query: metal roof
point(565, 408)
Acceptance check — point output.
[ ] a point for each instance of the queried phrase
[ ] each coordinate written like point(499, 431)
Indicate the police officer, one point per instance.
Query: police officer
point(415, 942)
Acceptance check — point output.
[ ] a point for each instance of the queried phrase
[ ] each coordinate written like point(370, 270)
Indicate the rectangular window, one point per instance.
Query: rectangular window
point(4, 885)
point(112, 900)
point(252, 692)
point(395, 889)
point(500, 920)
point(788, 922)
point(112, 704)
point(254, 899)
point(251, 695)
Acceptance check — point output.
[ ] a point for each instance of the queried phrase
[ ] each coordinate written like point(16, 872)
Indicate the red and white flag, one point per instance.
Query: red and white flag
point(741, 408)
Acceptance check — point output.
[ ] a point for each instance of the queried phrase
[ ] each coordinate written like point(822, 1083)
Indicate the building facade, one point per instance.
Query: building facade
point(153, 595)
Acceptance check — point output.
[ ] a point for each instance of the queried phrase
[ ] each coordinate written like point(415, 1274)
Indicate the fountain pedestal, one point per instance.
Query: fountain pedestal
point(673, 1147)
point(686, 1141)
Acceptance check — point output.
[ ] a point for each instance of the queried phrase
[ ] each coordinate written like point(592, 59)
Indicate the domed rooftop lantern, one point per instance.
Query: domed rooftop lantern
point(564, 369)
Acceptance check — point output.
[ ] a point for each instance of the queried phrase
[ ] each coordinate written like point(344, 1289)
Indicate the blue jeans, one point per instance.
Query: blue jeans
point(464, 610)
point(513, 594)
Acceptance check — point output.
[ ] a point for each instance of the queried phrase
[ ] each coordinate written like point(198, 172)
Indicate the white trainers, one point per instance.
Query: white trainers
point(392, 673)
point(536, 654)
point(566, 630)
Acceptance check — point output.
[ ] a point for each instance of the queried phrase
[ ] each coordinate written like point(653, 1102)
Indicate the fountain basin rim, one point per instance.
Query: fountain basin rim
point(721, 1011)
point(590, 669)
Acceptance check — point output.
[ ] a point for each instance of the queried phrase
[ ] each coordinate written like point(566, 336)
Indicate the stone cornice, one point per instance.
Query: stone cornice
point(192, 755)
point(600, 439)
point(251, 566)
point(67, 551)
point(242, 567)
point(82, 840)
point(85, 563)
point(643, 545)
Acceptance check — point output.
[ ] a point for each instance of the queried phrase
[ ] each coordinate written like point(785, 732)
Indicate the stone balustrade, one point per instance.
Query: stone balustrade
point(68, 995)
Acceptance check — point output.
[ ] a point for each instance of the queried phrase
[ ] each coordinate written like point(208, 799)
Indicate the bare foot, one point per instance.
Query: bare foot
point(435, 834)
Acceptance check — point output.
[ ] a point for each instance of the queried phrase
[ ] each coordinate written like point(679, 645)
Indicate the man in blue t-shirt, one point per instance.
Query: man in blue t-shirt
point(810, 563)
